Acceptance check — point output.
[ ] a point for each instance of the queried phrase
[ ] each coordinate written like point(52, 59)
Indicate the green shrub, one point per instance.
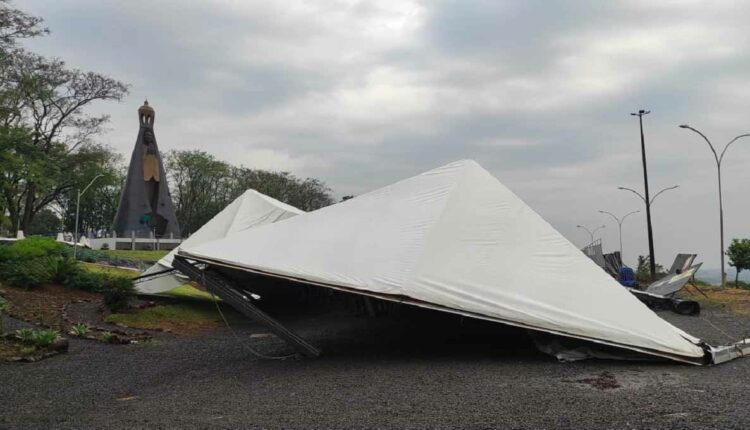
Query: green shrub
point(44, 338)
point(79, 330)
point(25, 273)
point(62, 269)
point(32, 262)
point(117, 292)
point(82, 279)
point(35, 247)
point(25, 335)
point(108, 337)
point(8, 253)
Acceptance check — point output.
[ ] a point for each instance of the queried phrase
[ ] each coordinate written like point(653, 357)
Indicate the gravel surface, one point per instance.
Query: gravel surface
point(411, 370)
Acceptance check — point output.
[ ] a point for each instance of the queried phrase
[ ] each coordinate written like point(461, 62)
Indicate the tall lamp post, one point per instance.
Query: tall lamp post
point(78, 205)
point(652, 265)
point(718, 159)
point(619, 223)
point(591, 232)
point(648, 203)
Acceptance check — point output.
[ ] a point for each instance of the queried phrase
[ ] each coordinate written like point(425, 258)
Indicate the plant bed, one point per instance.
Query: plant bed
point(89, 315)
point(38, 345)
point(44, 306)
point(61, 308)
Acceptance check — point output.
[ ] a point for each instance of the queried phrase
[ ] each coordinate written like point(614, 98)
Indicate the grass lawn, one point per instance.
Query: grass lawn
point(102, 268)
point(145, 256)
point(735, 299)
point(179, 318)
point(187, 291)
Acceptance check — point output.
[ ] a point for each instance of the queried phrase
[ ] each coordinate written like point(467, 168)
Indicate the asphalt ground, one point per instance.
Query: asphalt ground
point(408, 369)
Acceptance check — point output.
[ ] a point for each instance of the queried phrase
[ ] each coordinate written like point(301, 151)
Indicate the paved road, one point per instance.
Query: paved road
point(403, 371)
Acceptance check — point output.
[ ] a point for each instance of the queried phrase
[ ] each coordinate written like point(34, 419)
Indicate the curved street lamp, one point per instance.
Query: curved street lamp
point(619, 223)
point(648, 202)
point(78, 205)
point(651, 202)
point(719, 159)
point(591, 232)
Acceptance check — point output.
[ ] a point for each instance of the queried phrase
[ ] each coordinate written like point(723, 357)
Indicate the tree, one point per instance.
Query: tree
point(201, 186)
point(99, 204)
point(44, 130)
point(643, 272)
point(307, 194)
point(46, 222)
point(739, 256)
point(15, 24)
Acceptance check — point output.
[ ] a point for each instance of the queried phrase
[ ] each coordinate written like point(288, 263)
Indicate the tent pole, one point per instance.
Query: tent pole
point(223, 288)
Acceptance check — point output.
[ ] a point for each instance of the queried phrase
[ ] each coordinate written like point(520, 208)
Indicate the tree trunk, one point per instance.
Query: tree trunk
point(736, 276)
point(28, 210)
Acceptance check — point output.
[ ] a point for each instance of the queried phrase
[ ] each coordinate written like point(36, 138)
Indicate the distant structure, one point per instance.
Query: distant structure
point(145, 208)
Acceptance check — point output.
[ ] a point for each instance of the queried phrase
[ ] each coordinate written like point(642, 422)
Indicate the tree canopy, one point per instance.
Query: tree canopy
point(201, 186)
point(739, 256)
point(46, 136)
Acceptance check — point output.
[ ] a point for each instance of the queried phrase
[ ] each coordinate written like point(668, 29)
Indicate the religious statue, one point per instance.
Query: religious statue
point(145, 203)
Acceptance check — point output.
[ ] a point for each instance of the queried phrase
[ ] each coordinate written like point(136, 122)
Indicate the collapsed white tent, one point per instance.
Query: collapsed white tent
point(250, 210)
point(455, 239)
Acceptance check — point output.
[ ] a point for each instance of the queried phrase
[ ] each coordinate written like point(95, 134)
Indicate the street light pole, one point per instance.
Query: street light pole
point(719, 159)
point(78, 205)
point(652, 265)
point(648, 203)
point(591, 232)
point(619, 223)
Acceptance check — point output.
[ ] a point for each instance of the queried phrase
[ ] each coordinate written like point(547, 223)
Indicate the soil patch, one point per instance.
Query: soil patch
point(45, 305)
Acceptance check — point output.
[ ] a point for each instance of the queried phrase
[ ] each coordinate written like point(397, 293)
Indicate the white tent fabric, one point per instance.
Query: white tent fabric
point(250, 210)
point(455, 239)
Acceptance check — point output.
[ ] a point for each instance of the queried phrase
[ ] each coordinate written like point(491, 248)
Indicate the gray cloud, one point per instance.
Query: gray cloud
point(362, 94)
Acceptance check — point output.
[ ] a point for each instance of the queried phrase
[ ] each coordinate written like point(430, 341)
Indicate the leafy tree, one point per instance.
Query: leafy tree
point(44, 130)
point(643, 273)
point(739, 256)
point(15, 24)
point(46, 222)
point(202, 186)
point(99, 204)
point(307, 194)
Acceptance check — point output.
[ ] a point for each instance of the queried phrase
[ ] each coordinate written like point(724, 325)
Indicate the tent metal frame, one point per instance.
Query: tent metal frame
point(222, 287)
point(410, 301)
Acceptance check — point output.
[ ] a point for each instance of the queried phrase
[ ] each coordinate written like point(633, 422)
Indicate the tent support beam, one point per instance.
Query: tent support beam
point(724, 353)
point(222, 287)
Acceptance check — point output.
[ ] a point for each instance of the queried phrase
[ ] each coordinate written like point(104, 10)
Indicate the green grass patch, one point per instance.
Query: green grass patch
point(144, 256)
point(179, 318)
point(734, 299)
point(109, 270)
point(187, 291)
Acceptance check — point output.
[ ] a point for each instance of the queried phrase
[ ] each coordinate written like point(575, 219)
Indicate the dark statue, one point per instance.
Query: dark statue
point(145, 204)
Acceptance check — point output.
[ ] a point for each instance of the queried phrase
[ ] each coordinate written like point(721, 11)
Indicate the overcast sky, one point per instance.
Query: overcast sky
point(361, 94)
